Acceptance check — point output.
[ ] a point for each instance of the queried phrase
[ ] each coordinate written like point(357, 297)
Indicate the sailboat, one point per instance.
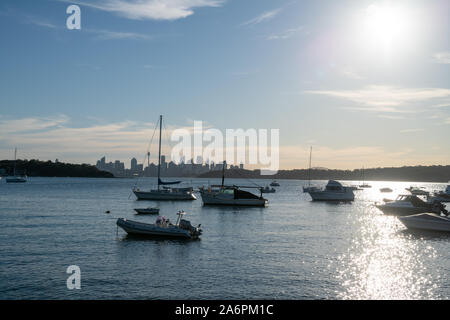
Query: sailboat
point(309, 187)
point(16, 178)
point(231, 195)
point(364, 185)
point(163, 192)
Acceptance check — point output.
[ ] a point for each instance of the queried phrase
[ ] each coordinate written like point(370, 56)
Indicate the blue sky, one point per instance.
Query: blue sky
point(365, 82)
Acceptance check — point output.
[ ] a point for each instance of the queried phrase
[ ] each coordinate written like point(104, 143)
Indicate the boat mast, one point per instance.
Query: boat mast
point(159, 153)
point(309, 177)
point(223, 172)
point(15, 156)
point(363, 175)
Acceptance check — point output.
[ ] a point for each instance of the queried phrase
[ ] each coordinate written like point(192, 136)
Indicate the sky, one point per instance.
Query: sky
point(365, 83)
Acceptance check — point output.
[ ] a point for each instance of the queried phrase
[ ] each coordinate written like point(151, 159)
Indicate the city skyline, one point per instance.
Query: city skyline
point(169, 168)
point(365, 83)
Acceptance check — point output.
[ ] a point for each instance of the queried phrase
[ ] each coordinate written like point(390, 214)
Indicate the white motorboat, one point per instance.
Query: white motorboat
point(268, 189)
point(426, 221)
point(443, 196)
point(161, 228)
point(274, 184)
point(406, 205)
point(231, 195)
point(147, 210)
point(16, 178)
point(164, 193)
point(334, 191)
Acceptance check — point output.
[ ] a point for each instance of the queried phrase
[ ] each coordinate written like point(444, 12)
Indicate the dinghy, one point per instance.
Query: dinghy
point(182, 229)
point(147, 210)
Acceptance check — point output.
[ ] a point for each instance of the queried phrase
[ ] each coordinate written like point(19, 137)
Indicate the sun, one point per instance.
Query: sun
point(387, 25)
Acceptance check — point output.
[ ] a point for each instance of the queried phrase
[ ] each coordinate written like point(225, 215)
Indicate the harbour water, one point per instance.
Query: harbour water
point(292, 249)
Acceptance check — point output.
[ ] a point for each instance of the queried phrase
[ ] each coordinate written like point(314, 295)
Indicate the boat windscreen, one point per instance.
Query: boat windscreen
point(418, 202)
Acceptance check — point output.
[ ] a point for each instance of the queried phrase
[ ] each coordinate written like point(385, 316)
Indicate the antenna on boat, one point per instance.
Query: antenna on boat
point(223, 172)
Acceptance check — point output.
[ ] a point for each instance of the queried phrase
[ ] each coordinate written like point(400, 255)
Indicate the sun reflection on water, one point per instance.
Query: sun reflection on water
point(383, 262)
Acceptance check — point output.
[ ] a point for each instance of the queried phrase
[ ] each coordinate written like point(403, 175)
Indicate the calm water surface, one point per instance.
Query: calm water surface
point(293, 249)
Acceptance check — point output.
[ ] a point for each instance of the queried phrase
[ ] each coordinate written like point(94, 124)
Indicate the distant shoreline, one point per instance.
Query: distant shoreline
point(36, 168)
point(437, 173)
point(401, 174)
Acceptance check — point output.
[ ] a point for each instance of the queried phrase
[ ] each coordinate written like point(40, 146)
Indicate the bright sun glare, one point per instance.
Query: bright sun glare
point(387, 25)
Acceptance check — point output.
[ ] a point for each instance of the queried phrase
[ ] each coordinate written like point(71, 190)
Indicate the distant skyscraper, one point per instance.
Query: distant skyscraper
point(133, 166)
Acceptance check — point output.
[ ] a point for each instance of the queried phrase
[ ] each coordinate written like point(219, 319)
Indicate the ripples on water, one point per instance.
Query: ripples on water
point(293, 249)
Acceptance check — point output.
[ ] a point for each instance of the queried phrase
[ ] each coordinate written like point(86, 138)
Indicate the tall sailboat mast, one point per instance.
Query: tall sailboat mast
point(15, 158)
point(309, 174)
point(223, 172)
point(159, 153)
point(363, 176)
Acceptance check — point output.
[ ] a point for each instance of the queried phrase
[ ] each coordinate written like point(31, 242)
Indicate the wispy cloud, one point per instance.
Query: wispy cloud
point(286, 34)
point(386, 98)
point(442, 57)
point(100, 34)
point(57, 137)
point(265, 16)
point(31, 125)
point(42, 23)
point(351, 74)
point(411, 130)
point(117, 35)
point(243, 73)
point(151, 9)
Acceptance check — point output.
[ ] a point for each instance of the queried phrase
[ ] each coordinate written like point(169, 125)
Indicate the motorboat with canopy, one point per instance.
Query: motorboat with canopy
point(333, 191)
point(406, 205)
